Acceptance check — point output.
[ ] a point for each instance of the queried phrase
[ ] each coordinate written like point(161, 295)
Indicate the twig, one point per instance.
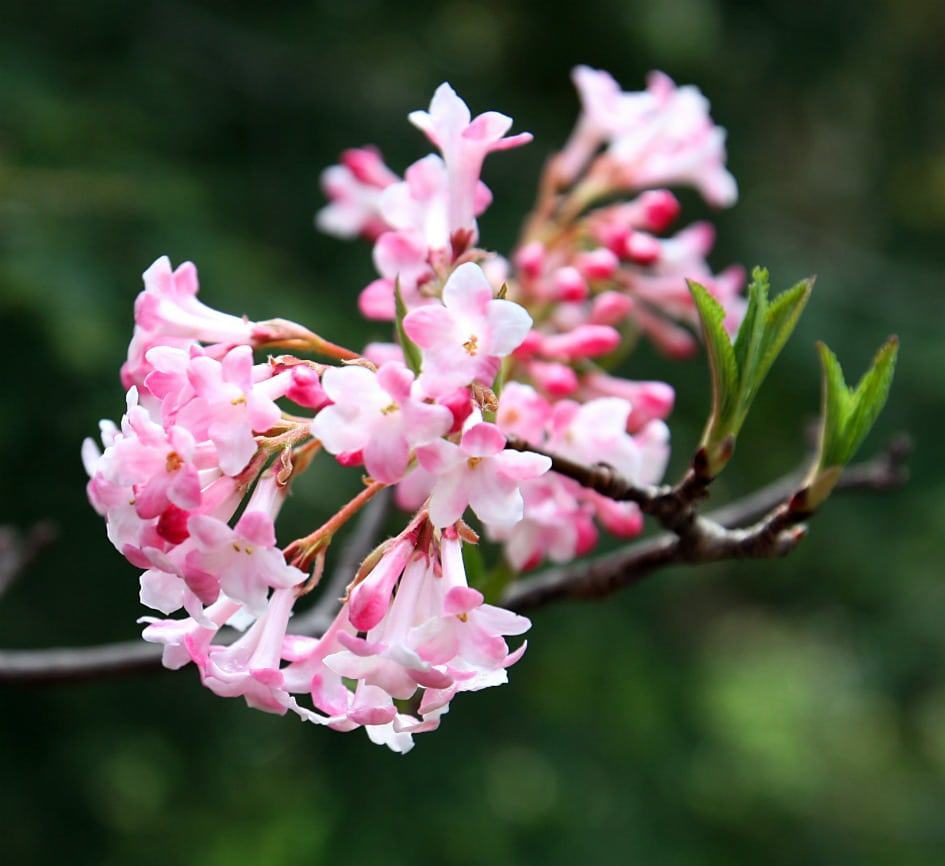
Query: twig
point(593, 579)
point(19, 549)
point(363, 539)
point(629, 565)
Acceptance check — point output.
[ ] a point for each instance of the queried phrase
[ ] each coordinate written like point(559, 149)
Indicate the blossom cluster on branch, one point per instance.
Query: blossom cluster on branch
point(496, 363)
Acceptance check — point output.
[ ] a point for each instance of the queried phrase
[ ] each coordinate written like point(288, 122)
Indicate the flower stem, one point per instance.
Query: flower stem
point(301, 551)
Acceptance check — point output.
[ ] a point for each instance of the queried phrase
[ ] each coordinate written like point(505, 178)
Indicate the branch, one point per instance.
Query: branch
point(18, 549)
point(593, 579)
point(628, 566)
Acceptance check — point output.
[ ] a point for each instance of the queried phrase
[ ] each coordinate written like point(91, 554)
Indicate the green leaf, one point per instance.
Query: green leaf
point(410, 349)
point(780, 318)
point(739, 368)
point(722, 364)
point(847, 414)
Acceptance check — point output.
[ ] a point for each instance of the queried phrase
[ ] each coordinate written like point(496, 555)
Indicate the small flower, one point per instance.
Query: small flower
point(378, 414)
point(244, 560)
point(479, 473)
point(354, 191)
point(464, 337)
point(168, 307)
point(464, 143)
point(229, 407)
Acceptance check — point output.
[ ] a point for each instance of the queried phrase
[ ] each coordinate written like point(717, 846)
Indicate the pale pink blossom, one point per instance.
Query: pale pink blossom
point(463, 338)
point(421, 202)
point(597, 430)
point(523, 412)
point(382, 415)
point(354, 190)
point(677, 143)
point(250, 666)
point(186, 640)
point(558, 524)
point(479, 472)
point(229, 407)
point(464, 634)
point(168, 307)
point(244, 560)
point(464, 143)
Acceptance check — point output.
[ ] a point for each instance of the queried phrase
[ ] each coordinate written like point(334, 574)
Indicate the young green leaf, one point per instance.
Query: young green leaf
point(739, 368)
point(722, 364)
point(410, 349)
point(847, 414)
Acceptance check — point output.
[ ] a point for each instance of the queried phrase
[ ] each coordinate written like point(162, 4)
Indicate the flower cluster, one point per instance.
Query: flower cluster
point(492, 360)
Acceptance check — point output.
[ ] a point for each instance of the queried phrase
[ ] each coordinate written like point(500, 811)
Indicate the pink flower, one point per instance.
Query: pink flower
point(464, 143)
point(677, 143)
point(229, 407)
point(464, 634)
point(244, 561)
point(421, 202)
point(605, 110)
point(464, 337)
point(168, 307)
point(597, 430)
point(187, 640)
point(380, 414)
point(478, 472)
point(383, 658)
point(650, 400)
point(354, 191)
point(557, 525)
point(523, 412)
point(250, 666)
point(158, 464)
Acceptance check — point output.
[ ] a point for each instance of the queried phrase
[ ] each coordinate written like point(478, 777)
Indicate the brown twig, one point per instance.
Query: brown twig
point(738, 522)
point(591, 579)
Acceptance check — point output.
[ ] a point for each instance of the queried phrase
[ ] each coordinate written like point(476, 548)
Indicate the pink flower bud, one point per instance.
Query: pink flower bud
point(599, 264)
point(570, 285)
point(642, 248)
point(555, 379)
point(650, 400)
point(306, 388)
point(376, 300)
point(530, 259)
point(585, 341)
point(460, 405)
point(611, 308)
point(660, 209)
point(531, 345)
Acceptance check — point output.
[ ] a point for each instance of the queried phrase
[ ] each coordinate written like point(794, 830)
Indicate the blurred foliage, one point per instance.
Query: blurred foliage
point(784, 713)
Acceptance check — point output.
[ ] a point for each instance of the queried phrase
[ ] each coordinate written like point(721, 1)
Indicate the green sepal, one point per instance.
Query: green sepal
point(410, 349)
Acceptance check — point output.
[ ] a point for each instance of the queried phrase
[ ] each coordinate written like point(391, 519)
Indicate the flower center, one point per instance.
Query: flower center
point(471, 345)
point(245, 548)
point(473, 462)
point(174, 462)
point(238, 401)
point(389, 410)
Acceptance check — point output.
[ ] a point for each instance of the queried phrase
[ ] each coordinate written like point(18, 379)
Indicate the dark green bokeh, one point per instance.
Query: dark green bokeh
point(784, 713)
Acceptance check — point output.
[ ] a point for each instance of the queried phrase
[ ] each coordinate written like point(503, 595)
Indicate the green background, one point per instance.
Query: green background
point(780, 713)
